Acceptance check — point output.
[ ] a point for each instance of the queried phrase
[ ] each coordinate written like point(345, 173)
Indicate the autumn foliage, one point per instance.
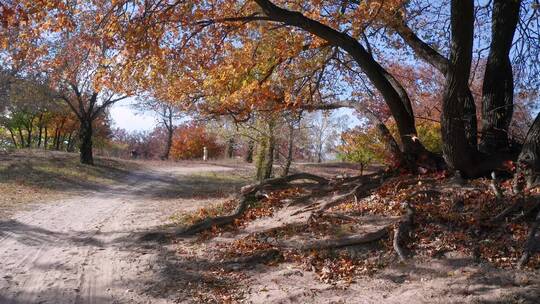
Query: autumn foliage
point(189, 141)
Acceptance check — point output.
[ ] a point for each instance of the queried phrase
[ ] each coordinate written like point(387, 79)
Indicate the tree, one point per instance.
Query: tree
point(65, 43)
point(190, 140)
point(168, 114)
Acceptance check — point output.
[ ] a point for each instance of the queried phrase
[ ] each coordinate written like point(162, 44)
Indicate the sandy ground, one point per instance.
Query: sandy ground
point(105, 247)
point(93, 248)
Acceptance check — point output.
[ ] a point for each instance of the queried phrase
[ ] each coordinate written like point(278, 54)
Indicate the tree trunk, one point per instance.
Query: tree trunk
point(69, 147)
point(269, 158)
point(290, 147)
point(230, 148)
point(21, 137)
point(529, 158)
point(85, 141)
point(12, 137)
point(261, 156)
point(458, 153)
point(249, 153)
point(397, 158)
point(498, 86)
point(29, 128)
point(40, 134)
point(168, 145)
point(57, 136)
point(46, 139)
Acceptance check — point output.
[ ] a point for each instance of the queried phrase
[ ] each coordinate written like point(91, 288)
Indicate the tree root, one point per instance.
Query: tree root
point(526, 213)
point(218, 221)
point(249, 195)
point(282, 181)
point(258, 257)
point(530, 245)
point(402, 231)
point(509, 210)
point(340, 242)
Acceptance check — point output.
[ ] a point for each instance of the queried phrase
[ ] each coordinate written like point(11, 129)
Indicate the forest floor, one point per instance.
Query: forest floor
point(109, 234)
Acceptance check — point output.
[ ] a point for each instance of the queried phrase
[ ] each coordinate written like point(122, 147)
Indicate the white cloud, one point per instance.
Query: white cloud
point(125, 117)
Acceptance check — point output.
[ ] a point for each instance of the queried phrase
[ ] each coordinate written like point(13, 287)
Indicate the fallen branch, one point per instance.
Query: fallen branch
point(530, 245)
point(402, 230)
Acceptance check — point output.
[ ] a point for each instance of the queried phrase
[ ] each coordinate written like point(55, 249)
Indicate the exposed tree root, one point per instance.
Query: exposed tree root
point(508, 211)
point(531, 244)
point(339, 242)
point(261, 256)
point(248, 195)
point(402, 231)
point(282, 181)
point(218, 221)
point(526, 213)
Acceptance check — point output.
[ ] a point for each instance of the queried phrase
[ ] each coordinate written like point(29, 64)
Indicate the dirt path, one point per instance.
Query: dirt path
point(90, 248)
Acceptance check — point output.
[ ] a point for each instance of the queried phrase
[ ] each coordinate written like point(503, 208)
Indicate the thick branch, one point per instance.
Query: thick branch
point(422, 49)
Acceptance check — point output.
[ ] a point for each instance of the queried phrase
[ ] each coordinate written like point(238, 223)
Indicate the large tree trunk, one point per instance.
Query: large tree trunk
point(265, 158)
point(441, 63)
point(85, 141)
point(458, 153)
point(529, 158)
point(397, 158)
point(498, 86)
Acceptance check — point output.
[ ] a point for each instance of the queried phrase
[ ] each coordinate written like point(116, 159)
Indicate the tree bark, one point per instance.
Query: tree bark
point(168, 145)
point(85, 141)
point(457, 149)
point(498, 86)
point(441, 63)
point(529, 158)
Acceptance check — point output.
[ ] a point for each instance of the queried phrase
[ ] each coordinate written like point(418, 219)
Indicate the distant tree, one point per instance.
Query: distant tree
point(168, 115)
point(189, 141)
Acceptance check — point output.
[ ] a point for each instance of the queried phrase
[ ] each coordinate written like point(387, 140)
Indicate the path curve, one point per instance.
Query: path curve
point(87, 249)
